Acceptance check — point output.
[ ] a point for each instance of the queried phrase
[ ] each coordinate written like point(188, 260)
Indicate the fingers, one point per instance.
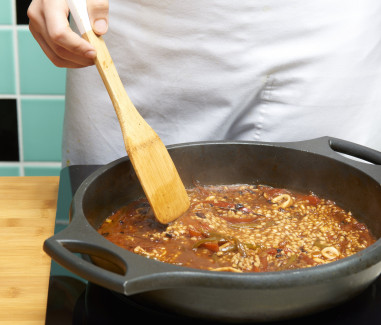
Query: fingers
point(57, 61)
point(66, 44)
point(48, 23)
point(98, 14)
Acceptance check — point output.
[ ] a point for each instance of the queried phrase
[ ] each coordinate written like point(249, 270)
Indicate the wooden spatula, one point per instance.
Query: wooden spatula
point(152, 163)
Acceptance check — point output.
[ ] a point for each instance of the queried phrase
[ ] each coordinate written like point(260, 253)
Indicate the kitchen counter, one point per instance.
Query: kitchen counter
point(27, 218)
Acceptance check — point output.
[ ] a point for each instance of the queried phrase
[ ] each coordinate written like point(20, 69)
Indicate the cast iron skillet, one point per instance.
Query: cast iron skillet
point(313, 165)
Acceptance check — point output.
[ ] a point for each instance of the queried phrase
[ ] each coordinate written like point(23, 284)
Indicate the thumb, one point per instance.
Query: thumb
point(98, 14)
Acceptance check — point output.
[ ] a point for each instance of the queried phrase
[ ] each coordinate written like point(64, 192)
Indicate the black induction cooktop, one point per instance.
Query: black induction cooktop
point(72, 300)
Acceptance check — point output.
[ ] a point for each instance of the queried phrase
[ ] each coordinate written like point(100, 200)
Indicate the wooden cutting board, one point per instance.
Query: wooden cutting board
point(27, 217)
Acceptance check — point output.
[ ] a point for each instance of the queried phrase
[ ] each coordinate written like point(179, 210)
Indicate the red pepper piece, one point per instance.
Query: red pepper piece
point(312, 199)
point(194, 233)
point(212, 246)
point(272, 192)
point(255, 269)
point(264, 263)
point(307, 259)
point(272, 251)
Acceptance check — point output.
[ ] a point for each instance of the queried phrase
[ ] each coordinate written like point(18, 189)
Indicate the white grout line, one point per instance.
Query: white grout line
point(31, 96)
point(5, 96)
point(6, 27)
point(30, 164)
point(37, 96)
point(42, 164)
point(10, 26)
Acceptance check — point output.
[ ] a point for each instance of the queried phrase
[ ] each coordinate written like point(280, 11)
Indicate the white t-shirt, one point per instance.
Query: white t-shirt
point(262, 70)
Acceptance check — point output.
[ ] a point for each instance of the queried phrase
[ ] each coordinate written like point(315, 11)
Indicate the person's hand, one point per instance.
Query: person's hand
point(49, 25)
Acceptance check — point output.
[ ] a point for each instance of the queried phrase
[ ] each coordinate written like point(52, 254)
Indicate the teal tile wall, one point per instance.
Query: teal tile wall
point(7, 63)
point(32, 87)
point(37, 74)
point(6, 14)
point(42, 128)
point(9, 171)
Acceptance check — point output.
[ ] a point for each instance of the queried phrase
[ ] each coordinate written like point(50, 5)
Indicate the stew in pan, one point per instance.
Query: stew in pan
point(242, 228)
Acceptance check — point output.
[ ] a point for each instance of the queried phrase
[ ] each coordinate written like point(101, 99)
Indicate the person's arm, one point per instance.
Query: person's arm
point(49, 25)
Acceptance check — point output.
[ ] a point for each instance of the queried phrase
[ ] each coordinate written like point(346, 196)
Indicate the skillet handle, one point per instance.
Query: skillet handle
point(355, 150)
point(370, 159)
point(110, 266)
point(65, 252)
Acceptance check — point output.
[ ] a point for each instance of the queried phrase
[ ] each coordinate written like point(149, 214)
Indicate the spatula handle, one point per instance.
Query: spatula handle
point(125, 110)
point(78, 9)
point(151, 161)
